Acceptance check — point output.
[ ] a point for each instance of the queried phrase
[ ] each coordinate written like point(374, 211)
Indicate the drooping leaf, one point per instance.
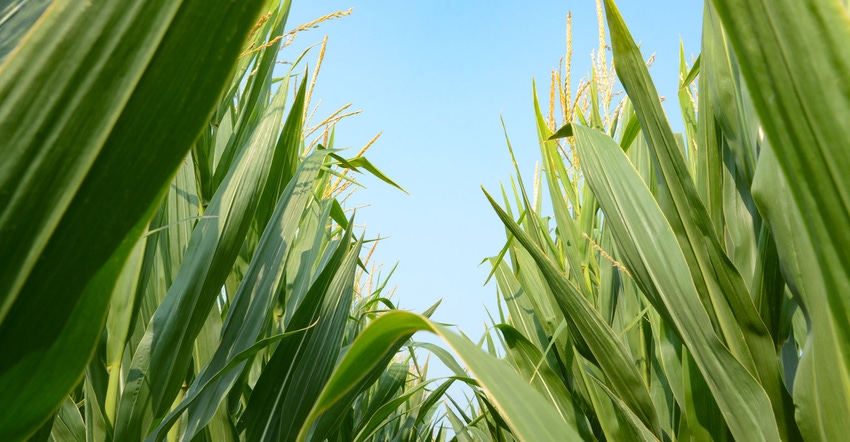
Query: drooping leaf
point(528, 414)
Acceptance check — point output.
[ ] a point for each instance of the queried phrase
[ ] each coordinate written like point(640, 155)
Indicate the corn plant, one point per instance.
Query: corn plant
point(690, 285)
point(95, 119)
point(191, 272)
point(177, 263)
point(684, 318)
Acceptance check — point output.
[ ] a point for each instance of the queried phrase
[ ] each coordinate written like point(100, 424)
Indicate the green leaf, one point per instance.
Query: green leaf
point(16, 18)
point(821, 382)
point(68, 426)
point(630, 133)
point(118, 323)
point(529, 415)
point(602, 342)
point(254, 300)
point(380, 411)
point(232, 364)
point(362, 162)
point(796, 71)
point(718, 282)
point(564, 132)
point(709, 155)
point(298, 369)
point(102, 86)
point(531, 365)
point(650, 251)
point(215, 243)
point(692, 74)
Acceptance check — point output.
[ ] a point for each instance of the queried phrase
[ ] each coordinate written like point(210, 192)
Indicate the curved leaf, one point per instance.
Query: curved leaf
point(651, 252)
point(529, 415)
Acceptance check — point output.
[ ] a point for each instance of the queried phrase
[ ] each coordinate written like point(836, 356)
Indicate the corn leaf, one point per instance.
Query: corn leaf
point(94, 100)
point(651, 252)
point(612, 357)
point(16, 18)
point(796, 72)
point(717, 280)
point(528, 414)
point(298, 370)
point(257, 292)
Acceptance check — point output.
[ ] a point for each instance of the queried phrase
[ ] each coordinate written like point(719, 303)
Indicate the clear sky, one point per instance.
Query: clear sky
point(434, 77)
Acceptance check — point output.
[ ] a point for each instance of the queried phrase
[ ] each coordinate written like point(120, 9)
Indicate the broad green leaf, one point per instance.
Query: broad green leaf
point(98, 427)
point(362, 162)
point(652, 255)
point(431, 401)
point(220, 426)
point(215, 242)
point(645, 434)
point(822, 380)
point(702, 415)
point(568, 224)
point(540, 295)
point(301, 268)
point(736, 134)
point(796, 71)
point(374, 420)
point(666, 384)
point(445, 357)
point(234, 362)
point(630, 132)
point(768, 289)
point(687, 105)
point(519, 303)
point(285, 160)
point(168, 237)
point(529, 415)
point(16, 18)
point(709, 157)
point(118, 323)
point(564, 132)
point(93, 101)
point(253, 103)
point(718, 282)
point(674, 183)
point(692, 74)
point(462, 434)
point(380, 404)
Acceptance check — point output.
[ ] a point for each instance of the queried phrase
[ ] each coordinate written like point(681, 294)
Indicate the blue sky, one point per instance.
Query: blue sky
point(434, 77)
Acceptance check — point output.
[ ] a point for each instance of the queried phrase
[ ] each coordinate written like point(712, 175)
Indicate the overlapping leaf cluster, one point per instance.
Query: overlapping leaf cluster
point(165, 284)
point(692, 285)
point(160, 284)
